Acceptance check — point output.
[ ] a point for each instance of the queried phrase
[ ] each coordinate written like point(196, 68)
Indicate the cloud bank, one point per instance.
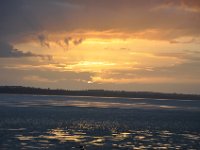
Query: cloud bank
point(8, 51)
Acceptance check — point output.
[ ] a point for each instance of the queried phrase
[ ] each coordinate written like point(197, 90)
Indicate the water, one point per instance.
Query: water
point(67, 122)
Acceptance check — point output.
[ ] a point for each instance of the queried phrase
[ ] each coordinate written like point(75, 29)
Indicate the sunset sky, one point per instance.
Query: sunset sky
point(133, 45)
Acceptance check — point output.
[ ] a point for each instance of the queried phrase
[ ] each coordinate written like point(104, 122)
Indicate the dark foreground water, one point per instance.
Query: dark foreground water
point(69, 123)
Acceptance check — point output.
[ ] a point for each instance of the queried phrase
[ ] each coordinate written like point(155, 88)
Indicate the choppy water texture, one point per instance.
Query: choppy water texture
point(71, 123)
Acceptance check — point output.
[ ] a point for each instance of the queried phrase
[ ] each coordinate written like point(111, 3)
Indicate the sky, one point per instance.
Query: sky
point(132, 45)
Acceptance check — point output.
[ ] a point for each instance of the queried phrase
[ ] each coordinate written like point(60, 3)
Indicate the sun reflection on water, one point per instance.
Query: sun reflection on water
point(64, 123)
point(137, 139)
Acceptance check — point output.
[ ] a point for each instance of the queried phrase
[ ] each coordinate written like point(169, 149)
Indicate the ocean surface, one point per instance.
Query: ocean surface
point(97, 123)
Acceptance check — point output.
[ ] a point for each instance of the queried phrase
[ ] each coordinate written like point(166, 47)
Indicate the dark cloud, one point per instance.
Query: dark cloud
point(67, 40)
point(78, 41)
point(43, 40)
point(8, 51)
point(22, 18)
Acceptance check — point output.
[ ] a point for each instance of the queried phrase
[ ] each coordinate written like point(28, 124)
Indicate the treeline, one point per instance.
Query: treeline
point(102, 93)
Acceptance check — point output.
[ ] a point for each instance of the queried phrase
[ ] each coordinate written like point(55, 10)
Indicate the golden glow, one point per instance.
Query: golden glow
point(76, 44)
point(111, 56)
